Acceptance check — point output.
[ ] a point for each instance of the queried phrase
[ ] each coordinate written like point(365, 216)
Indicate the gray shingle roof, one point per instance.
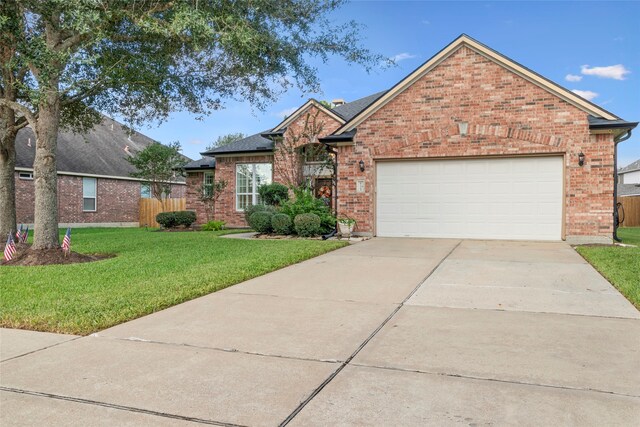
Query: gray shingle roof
point(251, 143)
point(628, 189)
point(101, 151)
point(349, 110)
point(203, 163)
point(630, 168)
point(599, 122)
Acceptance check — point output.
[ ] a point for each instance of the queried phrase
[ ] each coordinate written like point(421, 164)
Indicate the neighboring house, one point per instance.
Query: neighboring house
point(95, 187)
point(629, 180)
point(469, 145)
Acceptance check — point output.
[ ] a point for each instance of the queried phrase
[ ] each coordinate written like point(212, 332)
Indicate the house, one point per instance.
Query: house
point(629, 180)
point(95, 187)
point(471, 144)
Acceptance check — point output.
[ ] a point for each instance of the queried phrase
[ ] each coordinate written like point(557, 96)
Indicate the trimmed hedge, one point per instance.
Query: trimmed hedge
point(307, 224)
point(176, 219)
point(250, 210)
point(274, 194)
point(281, 224)
point(261, 221)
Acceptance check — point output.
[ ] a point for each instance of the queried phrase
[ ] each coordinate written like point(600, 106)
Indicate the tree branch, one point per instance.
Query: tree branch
point(19, 108)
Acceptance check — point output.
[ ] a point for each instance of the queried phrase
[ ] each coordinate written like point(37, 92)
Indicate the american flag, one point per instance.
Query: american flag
point(19, 234)
point(25, 235)
point(66, 242)
point(9, 249)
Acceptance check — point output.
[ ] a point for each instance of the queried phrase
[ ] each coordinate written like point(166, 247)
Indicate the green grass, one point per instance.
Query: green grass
point(151, 271)
point(621, 266)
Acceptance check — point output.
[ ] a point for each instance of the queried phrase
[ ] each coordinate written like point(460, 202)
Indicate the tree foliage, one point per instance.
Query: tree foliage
point(63, 60)
point(209, 195)
point(158, 165)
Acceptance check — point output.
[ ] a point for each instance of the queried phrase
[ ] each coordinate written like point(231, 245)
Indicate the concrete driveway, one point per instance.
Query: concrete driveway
point(384, 332)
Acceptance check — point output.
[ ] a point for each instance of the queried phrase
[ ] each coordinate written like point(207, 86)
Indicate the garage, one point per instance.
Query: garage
point(482, 198)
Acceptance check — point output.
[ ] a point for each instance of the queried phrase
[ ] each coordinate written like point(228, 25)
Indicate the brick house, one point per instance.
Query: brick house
point(94, 183)
point(469, 145)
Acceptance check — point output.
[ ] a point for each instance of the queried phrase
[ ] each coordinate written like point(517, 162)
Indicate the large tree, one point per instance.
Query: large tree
point(143, 59)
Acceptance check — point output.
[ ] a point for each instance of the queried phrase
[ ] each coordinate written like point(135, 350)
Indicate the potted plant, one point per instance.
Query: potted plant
point(346, 226)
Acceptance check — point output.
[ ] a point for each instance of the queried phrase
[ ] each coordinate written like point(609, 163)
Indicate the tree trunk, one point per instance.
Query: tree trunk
point(7, 172)
point(45, 234)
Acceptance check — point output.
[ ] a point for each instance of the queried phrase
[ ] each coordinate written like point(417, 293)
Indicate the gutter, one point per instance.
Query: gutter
point(616, 141)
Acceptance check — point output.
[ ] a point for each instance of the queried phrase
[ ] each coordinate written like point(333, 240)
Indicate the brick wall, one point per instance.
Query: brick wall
point(194, 184)
point(507, 116)
point(117, 200)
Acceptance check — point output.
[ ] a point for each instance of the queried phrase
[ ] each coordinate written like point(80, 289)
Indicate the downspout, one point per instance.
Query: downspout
point(335, 174)
point(616, 141)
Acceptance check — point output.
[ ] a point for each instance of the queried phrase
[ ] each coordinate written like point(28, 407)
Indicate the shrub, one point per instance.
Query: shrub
point(214, 226)
point(274, 194)
point(166, 219)
point(307, 224)
point(175, 219)
point(281, 223)
point(261, 221)
point(305, 202)
point(185, 218)
point(250, 210)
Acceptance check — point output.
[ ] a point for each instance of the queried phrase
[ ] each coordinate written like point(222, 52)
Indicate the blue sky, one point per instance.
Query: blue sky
point(555, 39)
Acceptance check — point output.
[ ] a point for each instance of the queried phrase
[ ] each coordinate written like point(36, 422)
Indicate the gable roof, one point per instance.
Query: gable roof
point(100, 151)
point(203, 163)
point(312, 102)
point(635, 166)
point(498, 58)
point(252, 143)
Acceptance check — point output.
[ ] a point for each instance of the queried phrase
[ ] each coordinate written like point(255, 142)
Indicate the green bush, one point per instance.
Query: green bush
point(307, 224)
point(166, 219)
point(305, 202)
point(261, 221)
point(175, 219)
point(250, 210)
point(274, 194)
point(281, 224)
point(213, 226)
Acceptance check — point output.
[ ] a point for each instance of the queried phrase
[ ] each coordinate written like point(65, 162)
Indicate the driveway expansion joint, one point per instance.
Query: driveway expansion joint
point(118, 407)
point(344, 364)
point(498, 380)
point(40, 349)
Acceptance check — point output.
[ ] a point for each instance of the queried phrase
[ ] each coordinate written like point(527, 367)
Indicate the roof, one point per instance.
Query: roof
point(100, 151)
point(304, 107)
point(628, 190)
point(203, 163)
point(466, 41)
point(349, 110)
point(253, 143)
point(630, 168)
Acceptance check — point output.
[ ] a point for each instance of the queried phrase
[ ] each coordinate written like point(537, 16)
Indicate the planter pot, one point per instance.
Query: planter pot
point(345, 229)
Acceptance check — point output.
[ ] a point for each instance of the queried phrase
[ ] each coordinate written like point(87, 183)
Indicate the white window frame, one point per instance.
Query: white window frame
point(95, 198)
point(254, 187)
point(208, 188)
point(27, 176)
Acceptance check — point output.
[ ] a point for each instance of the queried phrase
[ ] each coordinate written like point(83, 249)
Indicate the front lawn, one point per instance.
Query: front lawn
point(151, 271)
point(621, 266)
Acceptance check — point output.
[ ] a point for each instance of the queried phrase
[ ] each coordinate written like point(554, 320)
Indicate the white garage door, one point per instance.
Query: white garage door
point(514, 198)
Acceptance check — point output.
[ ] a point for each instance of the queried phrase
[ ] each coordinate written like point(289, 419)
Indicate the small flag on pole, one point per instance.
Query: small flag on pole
point(66, 242)
point(25, 235)
point(9, 249)
point(19, 234)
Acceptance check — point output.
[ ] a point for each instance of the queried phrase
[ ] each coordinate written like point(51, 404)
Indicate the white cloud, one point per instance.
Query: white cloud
point(402, 56)
point(196, 142)
point(286, 113)
point(586, 94)
point(616, 72)
point(572, 78)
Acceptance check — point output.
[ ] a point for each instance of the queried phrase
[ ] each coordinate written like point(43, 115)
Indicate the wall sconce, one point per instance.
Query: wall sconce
point(361, 164)
point(581, 159)
point(463, 127)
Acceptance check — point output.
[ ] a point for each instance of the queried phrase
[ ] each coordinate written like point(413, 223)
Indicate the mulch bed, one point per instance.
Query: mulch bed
point(25, 256)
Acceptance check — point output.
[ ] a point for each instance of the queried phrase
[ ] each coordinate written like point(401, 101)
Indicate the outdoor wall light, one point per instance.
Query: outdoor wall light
point(463, 127)
point(581, 159)
point(361, 164)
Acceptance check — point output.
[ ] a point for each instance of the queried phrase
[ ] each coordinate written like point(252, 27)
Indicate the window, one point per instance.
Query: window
point(89, 194)
point(207, 185)
point(249, 177)
point(145, 191)
point(26, 175)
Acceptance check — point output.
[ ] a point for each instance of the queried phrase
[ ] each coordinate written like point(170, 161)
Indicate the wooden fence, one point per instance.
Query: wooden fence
point(631, 206)
point(149, 208)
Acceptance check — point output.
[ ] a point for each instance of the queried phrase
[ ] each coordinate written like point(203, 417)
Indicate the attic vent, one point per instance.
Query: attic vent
point(126, 150)
point(338, 102)
point(29, 142)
